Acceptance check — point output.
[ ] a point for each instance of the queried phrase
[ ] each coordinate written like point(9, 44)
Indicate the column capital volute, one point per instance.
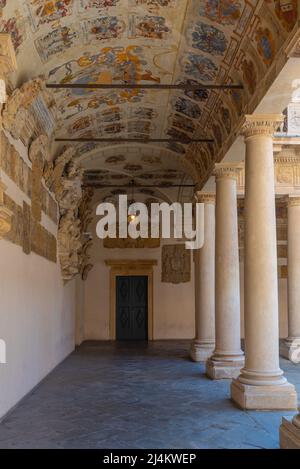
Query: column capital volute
point(261, 124)
point(293, 200)
point(205, 197)
point(226, 170)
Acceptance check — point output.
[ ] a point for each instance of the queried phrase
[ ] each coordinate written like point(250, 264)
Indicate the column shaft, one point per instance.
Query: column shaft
point(204, 343)
point(261, 384)
point(290, 348)
point(227, 358)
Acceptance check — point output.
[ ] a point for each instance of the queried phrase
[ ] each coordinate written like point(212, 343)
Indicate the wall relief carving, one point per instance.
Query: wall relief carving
point(63, 176)
point(176, 264)
point(30, 111)
point(21, 174)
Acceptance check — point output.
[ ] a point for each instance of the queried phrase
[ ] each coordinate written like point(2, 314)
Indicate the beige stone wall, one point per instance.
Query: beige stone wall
point(173, 306)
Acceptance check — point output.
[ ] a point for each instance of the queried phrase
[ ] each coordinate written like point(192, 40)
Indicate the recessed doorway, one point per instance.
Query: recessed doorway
point(131, 307)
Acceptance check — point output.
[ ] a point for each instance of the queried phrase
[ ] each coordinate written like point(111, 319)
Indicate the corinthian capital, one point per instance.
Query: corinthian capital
point(227, 170)
point(261, 124)
point(205, 197)
point(293, 201)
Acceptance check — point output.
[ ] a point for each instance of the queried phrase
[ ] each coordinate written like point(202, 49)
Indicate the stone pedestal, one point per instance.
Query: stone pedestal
point(290, 433)
point(227, 358)
point(203, 345)
point(261, 384)
point(290, 348)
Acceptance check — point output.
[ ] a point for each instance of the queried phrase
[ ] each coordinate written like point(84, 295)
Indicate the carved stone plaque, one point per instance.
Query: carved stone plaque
point(176, 264)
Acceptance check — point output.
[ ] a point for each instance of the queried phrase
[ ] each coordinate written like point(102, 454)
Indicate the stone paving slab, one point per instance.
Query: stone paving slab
point(137, 395)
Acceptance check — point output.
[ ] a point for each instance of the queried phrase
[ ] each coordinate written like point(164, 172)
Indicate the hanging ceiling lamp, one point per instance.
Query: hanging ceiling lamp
point(131, 212)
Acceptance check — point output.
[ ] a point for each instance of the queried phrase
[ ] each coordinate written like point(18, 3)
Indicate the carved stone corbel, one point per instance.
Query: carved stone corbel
point(8, 64)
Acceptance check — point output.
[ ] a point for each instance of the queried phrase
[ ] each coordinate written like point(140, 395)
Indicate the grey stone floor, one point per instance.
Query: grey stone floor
point(108, 395)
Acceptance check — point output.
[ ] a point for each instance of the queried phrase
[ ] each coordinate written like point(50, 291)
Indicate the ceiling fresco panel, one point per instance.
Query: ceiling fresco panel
point(148, 42)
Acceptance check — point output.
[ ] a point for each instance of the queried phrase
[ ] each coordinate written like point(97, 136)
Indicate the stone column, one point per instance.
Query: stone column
point(228, 357)
point(290, 348)
point(261, 384)
point(203, 345)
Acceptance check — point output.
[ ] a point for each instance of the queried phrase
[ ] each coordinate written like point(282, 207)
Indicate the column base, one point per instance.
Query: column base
point(264, 397)
point(290, 349)
point(289, 434)
point(201, 351)
point(226, 368)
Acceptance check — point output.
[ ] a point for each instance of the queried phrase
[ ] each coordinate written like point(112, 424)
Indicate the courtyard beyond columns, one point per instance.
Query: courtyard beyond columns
point(138, 395)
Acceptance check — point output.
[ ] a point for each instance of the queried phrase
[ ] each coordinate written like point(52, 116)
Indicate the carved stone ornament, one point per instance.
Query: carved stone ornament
point(38, 155)
point(293, 201)
point(261, 124)
point(231, 171)
point(205, 197)
point(64, 176)
point(5, 214)
point(69, 245)
point(86, 271)
point(8, 62)
point(30, 111)
point(176, 264)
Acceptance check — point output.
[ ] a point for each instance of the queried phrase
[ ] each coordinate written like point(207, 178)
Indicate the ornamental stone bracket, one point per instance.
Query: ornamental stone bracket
point(8, 64)
point(5, 214)
point(8, 61)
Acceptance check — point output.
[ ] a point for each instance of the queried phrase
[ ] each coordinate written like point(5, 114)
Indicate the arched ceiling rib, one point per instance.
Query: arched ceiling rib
point(148, 41)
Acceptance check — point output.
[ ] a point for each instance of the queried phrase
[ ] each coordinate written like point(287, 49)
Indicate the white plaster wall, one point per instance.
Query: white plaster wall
point(36, 321)
point(37, 311)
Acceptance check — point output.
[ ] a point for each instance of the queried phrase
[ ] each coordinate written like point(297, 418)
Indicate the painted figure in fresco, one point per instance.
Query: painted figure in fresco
point(153, 4)
point(43, 12)
point(197, 95)
point(110, 115)
point(249, 74)
point(143, 113)
point(176, 147)
point(56, 42)
point(151, 27)
point(142, 127)
point(237, 100)
point(286, 11)
point(201, 67)
point(178, 135)
point(11, 27)
point(183, 123)
point(225, 12)
point(217, 133)
point(226, 119)
point(188, 108)
point(99, 4)
point(209, 39)
point(108, 27)
point(265, 45)
point(112, 63)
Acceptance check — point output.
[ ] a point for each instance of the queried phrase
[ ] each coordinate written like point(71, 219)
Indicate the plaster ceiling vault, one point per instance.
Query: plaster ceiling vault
point(148, 42)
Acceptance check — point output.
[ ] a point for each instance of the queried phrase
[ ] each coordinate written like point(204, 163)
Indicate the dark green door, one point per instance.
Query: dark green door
point(132, 308)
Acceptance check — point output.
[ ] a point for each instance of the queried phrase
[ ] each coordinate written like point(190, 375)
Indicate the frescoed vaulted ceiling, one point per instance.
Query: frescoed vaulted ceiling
point(144, 42)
